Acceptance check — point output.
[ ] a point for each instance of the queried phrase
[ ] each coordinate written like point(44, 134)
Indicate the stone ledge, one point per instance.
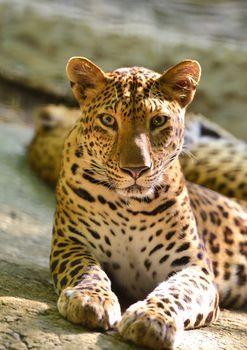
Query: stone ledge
point(29, 319)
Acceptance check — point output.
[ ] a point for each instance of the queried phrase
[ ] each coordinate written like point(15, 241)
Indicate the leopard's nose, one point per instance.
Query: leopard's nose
point(136, 172)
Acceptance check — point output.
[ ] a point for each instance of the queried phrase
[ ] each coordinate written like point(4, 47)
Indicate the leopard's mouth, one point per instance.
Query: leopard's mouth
point(135, 191)
point(134, 187)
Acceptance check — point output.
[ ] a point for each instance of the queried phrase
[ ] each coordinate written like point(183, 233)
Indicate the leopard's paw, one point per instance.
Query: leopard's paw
point(93, 309)
point(149, 327)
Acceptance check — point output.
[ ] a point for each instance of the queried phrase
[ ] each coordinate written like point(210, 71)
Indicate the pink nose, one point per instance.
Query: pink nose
point(135, 172)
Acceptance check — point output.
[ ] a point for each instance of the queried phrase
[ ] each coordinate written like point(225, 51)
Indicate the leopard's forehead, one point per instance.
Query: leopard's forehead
point(134, 73)
point(132, 81)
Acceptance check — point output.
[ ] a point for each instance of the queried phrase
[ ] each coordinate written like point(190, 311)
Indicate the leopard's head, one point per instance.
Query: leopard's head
point(132, 122)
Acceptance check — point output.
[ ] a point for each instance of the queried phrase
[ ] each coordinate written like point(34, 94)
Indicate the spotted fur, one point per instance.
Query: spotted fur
point(52, 124)
point(216, 158)
point(126, 215)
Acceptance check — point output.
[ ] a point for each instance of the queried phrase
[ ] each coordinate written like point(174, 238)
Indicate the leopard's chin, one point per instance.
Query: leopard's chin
point(135, 191)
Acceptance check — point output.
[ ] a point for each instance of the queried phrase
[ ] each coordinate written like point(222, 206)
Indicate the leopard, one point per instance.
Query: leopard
point(126, 219)
point(211, 156)
point(215, 159)
point(44, 152)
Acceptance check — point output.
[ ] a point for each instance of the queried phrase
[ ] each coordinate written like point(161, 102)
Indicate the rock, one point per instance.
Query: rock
point(28, 315)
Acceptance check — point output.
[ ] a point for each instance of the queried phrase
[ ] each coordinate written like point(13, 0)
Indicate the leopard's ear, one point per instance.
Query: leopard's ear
point(86, 78)
point(180, 81)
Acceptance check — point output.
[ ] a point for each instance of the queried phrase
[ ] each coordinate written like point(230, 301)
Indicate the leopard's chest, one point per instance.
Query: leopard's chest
point(125, 247)
point(134, 242)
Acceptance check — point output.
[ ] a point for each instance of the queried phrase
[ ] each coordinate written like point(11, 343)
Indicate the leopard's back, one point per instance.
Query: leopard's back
point(214, 158)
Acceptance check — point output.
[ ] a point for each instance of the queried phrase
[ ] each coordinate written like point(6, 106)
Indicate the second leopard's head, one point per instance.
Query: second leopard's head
point(132, 122)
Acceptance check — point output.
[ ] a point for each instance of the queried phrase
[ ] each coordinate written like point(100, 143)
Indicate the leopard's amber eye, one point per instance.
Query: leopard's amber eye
point(158, 121)
point(108, 120)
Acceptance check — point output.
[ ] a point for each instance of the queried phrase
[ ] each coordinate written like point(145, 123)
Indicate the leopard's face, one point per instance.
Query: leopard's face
point(131, 127)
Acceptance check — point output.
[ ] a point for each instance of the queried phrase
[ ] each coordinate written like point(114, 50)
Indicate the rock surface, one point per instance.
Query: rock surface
point(28, 315)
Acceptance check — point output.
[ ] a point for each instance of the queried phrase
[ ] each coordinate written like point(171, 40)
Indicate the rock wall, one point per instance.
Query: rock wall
point(37, 38)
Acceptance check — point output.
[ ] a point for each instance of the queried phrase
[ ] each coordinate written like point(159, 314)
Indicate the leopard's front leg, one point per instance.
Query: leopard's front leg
point(85, 295)
point(188, 299)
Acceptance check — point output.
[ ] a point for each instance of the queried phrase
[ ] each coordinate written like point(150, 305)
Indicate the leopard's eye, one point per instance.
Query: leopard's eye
point(158, 121)
point(108, 120)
